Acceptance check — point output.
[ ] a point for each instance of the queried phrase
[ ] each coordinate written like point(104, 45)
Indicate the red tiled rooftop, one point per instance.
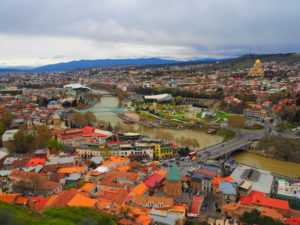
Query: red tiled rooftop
point(153, 179)
point(196, 204)
point(258, 198)
point(36, 162)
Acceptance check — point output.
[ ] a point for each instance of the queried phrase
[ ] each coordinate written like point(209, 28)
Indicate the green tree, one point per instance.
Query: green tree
point(178, 100)
point(23, 141)
point(54, 145)
point(7, 117)
point(42, 136)
point(109, 127)
point(93, 165)
point(2, 127)
point(251, 218)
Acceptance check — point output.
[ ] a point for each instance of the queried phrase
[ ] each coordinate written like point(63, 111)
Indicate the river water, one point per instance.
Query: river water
point(284, 168)
point(205, 140)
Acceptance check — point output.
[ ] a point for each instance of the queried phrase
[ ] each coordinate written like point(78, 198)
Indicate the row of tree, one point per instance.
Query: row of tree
point(81, 120)
point(30, 139)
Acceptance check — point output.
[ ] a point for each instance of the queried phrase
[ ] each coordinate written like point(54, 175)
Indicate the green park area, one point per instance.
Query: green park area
point(227, 134)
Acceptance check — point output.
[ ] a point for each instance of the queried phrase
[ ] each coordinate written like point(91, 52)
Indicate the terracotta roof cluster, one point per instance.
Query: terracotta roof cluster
point(259, 198)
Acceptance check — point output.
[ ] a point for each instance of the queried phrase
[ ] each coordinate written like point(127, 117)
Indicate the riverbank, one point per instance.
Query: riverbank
point(284, 168)
point(91, 103)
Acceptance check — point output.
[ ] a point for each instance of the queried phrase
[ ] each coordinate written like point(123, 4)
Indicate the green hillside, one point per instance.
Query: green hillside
point(16, 215)
point(249, 59)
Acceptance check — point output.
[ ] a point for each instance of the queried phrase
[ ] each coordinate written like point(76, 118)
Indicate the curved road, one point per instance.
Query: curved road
point(242, 139)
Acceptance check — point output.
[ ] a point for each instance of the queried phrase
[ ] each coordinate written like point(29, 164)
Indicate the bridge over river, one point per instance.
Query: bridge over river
point(102, 109)
point(241, 141)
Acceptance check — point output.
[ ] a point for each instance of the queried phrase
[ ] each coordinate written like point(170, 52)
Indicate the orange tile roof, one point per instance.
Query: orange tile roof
point(162, 172)
point(39, 201)
point(61, 199)
point(104, 203)
point(21, 200)
point(87, 187)
point(207, 172)
point(139, 189)
point(117, 197)
point(123, 168)
point(81, 200)
point(124, 221)
point(145, 220)
point(9, 198)
point(36, 162)
point(271, 212)
point(50, 202)
point(77, 169)
point(115, 160)
point(216, 180)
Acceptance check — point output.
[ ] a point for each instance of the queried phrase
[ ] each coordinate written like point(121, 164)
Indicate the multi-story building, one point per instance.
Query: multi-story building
point(202, 179)
point(255, 113)
point(163, 150)
point(137, 151)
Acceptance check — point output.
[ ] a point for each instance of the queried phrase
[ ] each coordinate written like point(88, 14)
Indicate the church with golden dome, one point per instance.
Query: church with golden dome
point(256, 70)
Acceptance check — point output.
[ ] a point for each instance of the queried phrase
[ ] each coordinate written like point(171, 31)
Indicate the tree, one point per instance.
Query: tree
point(236, 121)
point(23, 141)
point(118, 127)
point(109, 127)
point(7, 117)
point(74, 103)
point(2, 127)
point(251, 218)
point(54, 145)
point(178, 100)
point(93, 165)
point(42, 136)
point(297, 116)
point(282, 125)
point(254, 217)
point(79, 120)
point(90, 118)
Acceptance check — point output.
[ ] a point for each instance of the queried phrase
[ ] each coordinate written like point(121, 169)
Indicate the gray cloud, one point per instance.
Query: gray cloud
point(206, 28)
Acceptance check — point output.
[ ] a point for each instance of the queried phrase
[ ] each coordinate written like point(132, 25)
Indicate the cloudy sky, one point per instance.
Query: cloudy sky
point(39, 32)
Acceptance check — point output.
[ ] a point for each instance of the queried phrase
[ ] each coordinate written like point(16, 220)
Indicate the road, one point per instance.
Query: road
point(242, 139)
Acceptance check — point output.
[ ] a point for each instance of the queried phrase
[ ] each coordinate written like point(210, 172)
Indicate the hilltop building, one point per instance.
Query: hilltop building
point(256, 70)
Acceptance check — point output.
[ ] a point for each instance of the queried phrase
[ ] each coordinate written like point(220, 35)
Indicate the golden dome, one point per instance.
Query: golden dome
point(257, 61)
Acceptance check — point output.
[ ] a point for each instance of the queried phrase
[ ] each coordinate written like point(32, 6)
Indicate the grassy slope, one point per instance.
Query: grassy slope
point(16, 215)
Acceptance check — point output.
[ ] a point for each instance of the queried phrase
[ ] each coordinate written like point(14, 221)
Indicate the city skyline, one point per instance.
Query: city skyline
point(34, 33)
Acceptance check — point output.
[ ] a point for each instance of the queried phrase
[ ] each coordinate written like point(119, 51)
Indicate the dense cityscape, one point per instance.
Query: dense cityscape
point(155, 144)
point(148, 112)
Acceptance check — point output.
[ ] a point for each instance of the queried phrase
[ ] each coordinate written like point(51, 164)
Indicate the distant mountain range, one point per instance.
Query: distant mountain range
point(82, 64)
point(244, 60)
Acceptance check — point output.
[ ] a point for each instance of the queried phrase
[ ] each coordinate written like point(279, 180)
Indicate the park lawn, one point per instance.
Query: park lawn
point(199, 115)
point(222, 114)
point(228, 134)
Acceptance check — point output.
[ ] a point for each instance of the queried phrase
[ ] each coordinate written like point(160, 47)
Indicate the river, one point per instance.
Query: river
point(284, 168)
point(204, 139)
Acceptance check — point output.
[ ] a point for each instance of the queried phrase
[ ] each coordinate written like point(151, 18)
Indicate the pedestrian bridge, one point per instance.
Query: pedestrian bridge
point(108, 94)
point(102, 109)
